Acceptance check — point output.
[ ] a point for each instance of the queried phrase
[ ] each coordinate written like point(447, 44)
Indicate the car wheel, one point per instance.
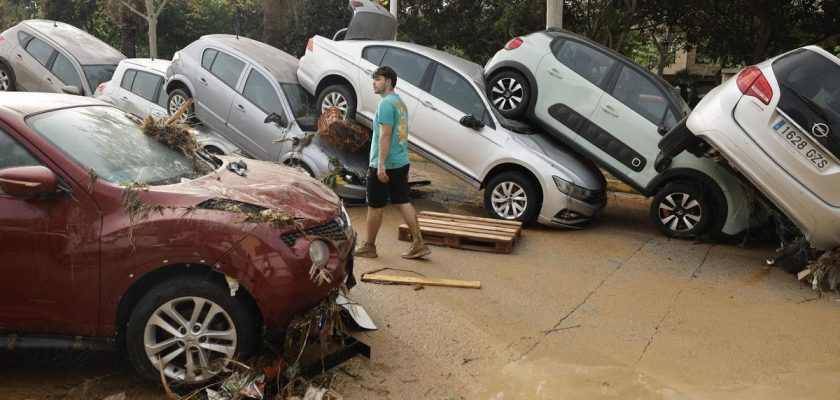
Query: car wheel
point(214, 150)
point(339, 96)
point(682, 210)
point(177, 99)
point(190, 328)
point(512, 196)
point(7, 82)
point(509, 92)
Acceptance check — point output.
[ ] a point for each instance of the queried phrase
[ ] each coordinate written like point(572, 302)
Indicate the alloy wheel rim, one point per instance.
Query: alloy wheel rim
point(4, 81)
point(190, 338)
point(507, 94)
point(680, 212)
point(509, 200)
point(334, 99)
point(175, 104)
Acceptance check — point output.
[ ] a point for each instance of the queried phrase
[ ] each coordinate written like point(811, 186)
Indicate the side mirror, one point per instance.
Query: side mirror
point(72, 90)
point(276, 118)
point(471, 121)
point(28, 181)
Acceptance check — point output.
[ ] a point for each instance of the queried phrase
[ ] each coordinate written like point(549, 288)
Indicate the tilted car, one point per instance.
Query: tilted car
point(614, 112)
point(51, 56)
point(173, 268)
point(137, 87)
point(778, 123)
point(236, 83)
point(525, 175)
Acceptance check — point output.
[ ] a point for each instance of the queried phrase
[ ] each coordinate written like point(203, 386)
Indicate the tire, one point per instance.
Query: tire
point(503, 197)
point(180, 295)
point(682, 210)
point(177, 98)
point(7, 79)
point(339, 96)
point(510, 93)
point(214, 150)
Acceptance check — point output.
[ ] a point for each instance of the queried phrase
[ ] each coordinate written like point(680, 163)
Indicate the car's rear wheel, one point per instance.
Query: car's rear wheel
point(7, 81)
point(189, 328)
point(509, 92)
point(512, 196)
point(176, 100)
point(682, 210)
point(341, 97)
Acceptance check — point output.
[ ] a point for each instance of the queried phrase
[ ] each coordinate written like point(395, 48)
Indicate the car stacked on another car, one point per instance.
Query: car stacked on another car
point(525, 176)
point(248, 92)
point(614, 112)
point(51, 56)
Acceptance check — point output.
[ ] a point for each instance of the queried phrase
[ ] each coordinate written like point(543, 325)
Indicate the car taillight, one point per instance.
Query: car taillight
point(2, 38)
point(752, 82)
point(310, 45)
point(357, 4)
point(101, 87)
point(513, 44)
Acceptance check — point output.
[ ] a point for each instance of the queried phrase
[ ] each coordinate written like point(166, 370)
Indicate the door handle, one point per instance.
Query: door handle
point(609, 110)
point(124, 98)
point(369, 71)
point(19, 57)
point(203, 81)
point(49, 80)
point(555, 73)
point(429, 104)
point(240, 107)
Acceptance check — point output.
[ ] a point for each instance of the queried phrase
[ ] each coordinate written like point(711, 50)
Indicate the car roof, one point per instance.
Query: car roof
point(282, 66)
point(86, 48)
point(465, 67)
point(156, 65)
point(27, 103)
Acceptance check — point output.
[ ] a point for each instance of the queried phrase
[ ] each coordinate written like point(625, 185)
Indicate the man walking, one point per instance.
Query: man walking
point(388, 173)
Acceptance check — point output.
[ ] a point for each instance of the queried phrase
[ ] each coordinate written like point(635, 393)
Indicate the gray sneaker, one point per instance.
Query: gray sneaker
point(366, 250)
point(416, 251)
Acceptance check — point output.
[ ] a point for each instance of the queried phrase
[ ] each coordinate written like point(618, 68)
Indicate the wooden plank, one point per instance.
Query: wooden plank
point(472, 226)
point(458, 232)
point(471, 218)
point(457, 242)
point(411, 280)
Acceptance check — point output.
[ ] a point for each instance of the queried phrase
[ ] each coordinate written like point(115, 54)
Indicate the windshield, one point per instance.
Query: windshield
point(104, 139)
point(303, 106)
point(97, 74)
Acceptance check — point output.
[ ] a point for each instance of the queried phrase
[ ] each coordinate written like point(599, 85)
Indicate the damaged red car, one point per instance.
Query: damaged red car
point(111, 239)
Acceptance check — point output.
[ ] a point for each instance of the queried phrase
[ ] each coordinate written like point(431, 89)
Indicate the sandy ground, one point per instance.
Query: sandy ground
point(613, 311)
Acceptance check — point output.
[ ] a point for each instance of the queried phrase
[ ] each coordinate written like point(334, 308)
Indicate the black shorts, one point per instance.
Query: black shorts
point(396, 189)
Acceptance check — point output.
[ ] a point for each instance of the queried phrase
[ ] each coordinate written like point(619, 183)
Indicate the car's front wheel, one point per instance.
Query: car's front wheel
point(512, 196)
point(176, 100)
point(341, 97)
point(509, 92)
point(7, 82)
point(189, 328)
point(682, 210)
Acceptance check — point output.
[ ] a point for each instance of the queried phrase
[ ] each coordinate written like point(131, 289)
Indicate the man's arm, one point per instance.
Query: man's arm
point(385, 132)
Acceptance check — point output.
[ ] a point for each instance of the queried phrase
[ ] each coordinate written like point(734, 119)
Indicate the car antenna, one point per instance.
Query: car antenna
point(55, 25)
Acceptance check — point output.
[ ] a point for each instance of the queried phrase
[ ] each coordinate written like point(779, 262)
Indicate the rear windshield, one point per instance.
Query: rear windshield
point(810, 93)
point(97, 74)
point(371, 26)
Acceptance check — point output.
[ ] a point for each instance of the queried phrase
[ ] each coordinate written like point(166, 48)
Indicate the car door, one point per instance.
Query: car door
point(62, 72)
point(628, 120)
point(30, 62)
point(410, 68)
point(370, 61)
point(215, 85)
point(571, 82)
point(247, 127)
point(50, 256)
point(437, 129)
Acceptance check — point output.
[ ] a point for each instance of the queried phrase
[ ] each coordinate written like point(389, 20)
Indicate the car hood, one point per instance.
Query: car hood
point(266, 185)
point(577, 169)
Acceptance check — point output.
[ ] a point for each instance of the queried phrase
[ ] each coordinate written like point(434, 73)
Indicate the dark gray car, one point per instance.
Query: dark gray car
point(51, 56)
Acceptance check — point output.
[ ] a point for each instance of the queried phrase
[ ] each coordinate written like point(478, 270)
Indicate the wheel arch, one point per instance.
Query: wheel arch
point(513, 167)
point(11, 70)
point(691, 176)
point(517, 67)
point(337, 79)
point(179, 83)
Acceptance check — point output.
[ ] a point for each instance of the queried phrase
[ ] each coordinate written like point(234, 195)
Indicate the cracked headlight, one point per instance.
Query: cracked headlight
point(569, 188)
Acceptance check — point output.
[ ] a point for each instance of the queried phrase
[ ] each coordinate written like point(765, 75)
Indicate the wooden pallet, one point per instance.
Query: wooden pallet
point(465, 232)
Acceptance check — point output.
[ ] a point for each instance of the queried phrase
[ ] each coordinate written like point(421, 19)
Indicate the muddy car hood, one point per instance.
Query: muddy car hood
point(265, 185)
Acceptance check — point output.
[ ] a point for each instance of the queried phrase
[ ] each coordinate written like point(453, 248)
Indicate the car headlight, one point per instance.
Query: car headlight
point(569, 188)
point(319, 253)
point(343, 221)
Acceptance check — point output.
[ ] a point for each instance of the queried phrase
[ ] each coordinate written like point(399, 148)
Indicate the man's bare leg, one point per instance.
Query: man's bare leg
point(410, 217)
point(374, 222)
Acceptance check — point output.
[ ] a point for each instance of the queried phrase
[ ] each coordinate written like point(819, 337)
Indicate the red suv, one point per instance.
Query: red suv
point(109, 236)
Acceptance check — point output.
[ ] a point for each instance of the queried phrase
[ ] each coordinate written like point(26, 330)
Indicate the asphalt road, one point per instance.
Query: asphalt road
point(612, 311)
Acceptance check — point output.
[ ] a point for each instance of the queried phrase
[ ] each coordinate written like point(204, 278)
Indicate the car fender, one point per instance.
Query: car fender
point(337, 72)
point(522, 69)
point(6, 62)
point(179, 79)
point(510, 161)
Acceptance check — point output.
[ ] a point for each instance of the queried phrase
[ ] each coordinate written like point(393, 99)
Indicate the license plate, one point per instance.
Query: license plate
point(802, 145)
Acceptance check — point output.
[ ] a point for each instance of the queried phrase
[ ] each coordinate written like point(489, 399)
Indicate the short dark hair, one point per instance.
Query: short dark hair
point(387, 73)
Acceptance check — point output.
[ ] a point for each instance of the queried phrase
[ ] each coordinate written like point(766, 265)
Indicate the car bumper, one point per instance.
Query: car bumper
point(350, 191)
point(562, 211)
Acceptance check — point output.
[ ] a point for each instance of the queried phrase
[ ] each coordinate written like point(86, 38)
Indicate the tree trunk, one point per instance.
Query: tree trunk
point(279, 18)
point(153, 38)
point(554, 14)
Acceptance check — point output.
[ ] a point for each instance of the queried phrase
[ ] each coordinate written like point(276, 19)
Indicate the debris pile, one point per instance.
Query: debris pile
point(176, 136)
point(347, 136)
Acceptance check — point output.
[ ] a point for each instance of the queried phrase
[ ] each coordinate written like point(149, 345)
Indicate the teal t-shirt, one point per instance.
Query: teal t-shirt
point(392, 111)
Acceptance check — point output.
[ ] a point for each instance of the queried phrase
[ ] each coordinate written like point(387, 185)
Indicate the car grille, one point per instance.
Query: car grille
point(332, 231)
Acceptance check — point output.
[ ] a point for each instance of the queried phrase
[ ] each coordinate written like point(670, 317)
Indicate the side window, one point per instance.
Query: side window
point(227, 69)
point(162, 96)
point(24, 38)
point(207, 58)
point(258, 90)
point(13, 154)
point(63, 68)
point(39, 50)
point(374, 54)
point(585, 61)
point(128, 79)
point(146, 85)
point(410, 67)
point(457, 92)
point(638, 93)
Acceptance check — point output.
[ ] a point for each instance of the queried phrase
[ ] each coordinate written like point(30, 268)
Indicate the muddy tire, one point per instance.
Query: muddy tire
point(682, 210)
point(512, 196)
point(510, 93)
point(194, 326)
point(7, 79)
point(339, 96)
point(176, 99)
